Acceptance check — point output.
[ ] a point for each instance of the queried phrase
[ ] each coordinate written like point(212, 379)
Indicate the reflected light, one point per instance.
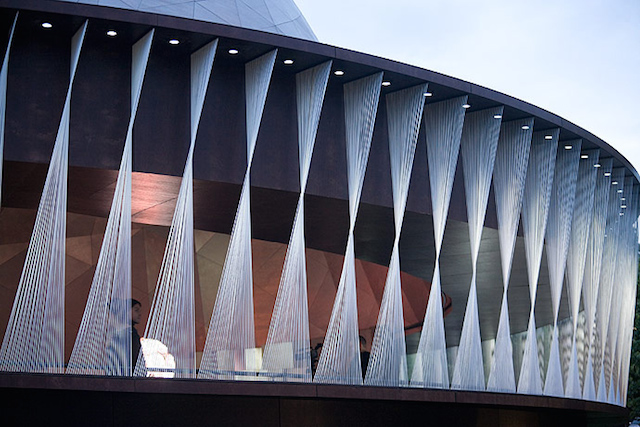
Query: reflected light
point(157, 359)
point(497, 116)
point(465, 106)
point(525, 127)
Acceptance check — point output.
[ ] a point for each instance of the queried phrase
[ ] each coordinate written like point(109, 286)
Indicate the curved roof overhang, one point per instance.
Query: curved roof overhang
point(253, 43)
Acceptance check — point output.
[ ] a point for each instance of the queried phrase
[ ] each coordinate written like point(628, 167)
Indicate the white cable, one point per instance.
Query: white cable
point(535, 209)
point(443, 125)
point(229, 349)
point(558, 235)
point(576, 256)
point(34, 338)
point(287, 353)
point(478, 151)
point(340, 357)
point(388, 359)
point(4, 72)
point(172, 316)
point(103, 343)
point(509, 176)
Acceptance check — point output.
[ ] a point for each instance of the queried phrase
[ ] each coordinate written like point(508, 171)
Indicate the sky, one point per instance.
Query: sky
point(577, 59)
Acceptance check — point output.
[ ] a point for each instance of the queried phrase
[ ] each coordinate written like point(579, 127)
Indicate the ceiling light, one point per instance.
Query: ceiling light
point(624, 206)
point(621, 213)
point(338, 73)
point(112, 33)
point(47, 25)
point(584, 156)
point(174, 42)
point(623, 199)
point(620, 191)
point(597, 165)
point(233, 51)
point(497, 116)
point(548, 137)
point(386, 83)
point(288, 61)
point(614, 183)
point(427, 94)
point(525, 127)
point(465, 106)
point(568, 147)
point(607, 174)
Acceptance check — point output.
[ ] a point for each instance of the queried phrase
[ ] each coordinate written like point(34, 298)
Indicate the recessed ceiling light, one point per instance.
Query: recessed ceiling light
point(548, 137)
point(584, 156)
point(568, 147)
point(620, 191)
point(465, 106)
point(497, 116)
point(427, 94)
point(386, 83)
point(112, 33)
point(614, 183)
point(623, 199)
point(525, 127)
point(338, 73)
point(607, 174)
point(174, 42)
point(288, 61)
point(597, 165)
point(47, 25)
point(621, 213)
point(233, 51)
point(624, 206)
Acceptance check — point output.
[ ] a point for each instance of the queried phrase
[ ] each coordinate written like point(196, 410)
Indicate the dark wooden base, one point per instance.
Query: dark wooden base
point(98, 401)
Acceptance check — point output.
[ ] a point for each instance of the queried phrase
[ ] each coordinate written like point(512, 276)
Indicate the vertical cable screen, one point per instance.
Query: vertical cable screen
point(607, 279)
point(576, 255)
point(231, 336)
point(509, 175)
point(172, 317)
point(388, 360)
point(103, 344)
point(286, 353)
point(535, 209)
point(478, 151)
point(591, 278)
point(4, 72)
point(340, 358)
point(630, 210)
point(618, 291)
point(443, 125)
point(34, 338)
point(558, 234)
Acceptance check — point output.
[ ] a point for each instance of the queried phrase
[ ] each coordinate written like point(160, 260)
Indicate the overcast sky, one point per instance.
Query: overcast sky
point(578, 59)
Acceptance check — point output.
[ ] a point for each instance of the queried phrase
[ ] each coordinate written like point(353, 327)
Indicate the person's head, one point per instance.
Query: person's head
point(136, 312)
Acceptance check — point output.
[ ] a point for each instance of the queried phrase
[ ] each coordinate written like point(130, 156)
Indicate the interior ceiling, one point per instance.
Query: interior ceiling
point(154, 197)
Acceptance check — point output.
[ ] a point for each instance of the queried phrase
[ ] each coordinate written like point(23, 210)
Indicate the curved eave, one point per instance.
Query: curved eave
point(310, 53)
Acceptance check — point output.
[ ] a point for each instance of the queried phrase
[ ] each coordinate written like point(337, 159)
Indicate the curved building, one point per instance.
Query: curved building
point(307, 229)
